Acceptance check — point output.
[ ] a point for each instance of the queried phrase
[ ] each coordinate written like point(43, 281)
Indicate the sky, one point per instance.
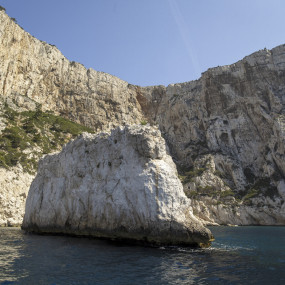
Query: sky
point(153, 42)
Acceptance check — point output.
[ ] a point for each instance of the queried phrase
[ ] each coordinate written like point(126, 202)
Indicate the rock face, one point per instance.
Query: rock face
point(14, 190)
point(235, 114)
point(32, 70)
point(121, 185)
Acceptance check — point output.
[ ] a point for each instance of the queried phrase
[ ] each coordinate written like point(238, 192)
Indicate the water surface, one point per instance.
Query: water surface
point(239, 255)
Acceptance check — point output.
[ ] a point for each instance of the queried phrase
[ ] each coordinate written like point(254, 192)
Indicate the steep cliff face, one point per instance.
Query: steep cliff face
point(119, 185)
point(225, 131)
point(234, 113)
point(32, 70)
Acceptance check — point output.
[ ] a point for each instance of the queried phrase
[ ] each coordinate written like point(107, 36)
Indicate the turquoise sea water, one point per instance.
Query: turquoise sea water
point(239, 255)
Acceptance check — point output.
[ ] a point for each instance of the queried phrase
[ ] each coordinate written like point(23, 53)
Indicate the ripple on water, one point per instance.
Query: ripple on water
point(238, 256)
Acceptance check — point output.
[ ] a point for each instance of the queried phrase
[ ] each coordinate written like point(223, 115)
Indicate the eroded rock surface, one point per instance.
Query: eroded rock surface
point(14, 189)
point(236, 114)
point(119, 185)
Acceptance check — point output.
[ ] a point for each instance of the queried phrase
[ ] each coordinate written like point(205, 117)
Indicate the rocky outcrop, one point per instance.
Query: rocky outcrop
point(14, 189)
point(119, 185)
point(215, 203)
point(262, 210)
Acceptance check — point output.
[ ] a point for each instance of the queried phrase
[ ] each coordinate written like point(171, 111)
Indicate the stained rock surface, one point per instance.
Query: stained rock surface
point(119, 185)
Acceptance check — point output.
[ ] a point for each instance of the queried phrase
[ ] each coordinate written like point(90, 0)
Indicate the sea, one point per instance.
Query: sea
point(239, 255)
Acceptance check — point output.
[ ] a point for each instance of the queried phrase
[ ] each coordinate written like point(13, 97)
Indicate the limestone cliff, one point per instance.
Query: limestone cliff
point(225, 131)
point(235, 114)
point(119, 185)
point(32, 70)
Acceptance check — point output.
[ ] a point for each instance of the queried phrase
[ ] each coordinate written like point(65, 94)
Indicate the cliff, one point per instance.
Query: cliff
point(233, 119)
point(118, 185)
point(34, 71)
point(225, 131)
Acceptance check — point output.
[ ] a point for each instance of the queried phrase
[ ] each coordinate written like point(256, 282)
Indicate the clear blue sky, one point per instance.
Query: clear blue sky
point(151, 42)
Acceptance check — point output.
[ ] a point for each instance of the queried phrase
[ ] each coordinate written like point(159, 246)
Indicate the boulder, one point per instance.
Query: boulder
point(120, 185)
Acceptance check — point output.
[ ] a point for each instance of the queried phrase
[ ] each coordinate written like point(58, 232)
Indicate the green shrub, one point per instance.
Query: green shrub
point(207, 190)
point(219, 173)
point(29, 127)
point(13, 134)
point(143, 123)
point(9, 113)
point(32, 129)
point(187, 176)
point(2, 9)
point(251, 194)
point(226, 193)
point(196, 172)
point(3, 160)
point(193, 194)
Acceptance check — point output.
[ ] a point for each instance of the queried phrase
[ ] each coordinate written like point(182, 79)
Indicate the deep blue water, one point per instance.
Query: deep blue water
point(239, 255)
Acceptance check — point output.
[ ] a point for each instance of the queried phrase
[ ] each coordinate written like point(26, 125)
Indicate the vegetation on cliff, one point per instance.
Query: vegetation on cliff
point(31, 134)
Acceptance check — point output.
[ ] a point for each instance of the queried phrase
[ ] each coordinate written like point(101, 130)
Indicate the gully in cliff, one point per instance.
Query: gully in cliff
point(120, 185)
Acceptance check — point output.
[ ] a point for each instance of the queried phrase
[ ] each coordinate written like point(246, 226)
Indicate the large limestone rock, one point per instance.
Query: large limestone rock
point(14, 189)
point(119, 185)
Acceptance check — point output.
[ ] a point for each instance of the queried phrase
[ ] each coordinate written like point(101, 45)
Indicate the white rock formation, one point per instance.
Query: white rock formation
point(14, 189)
point(262, 211)
point(121, 185)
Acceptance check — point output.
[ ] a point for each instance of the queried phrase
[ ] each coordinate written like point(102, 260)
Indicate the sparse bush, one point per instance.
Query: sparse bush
point(207, 190)
point(32, 129)
point(251, 194)
point(9, 113)
point(193, 194)
point(219, 173)
point(143, 123)
point(226, 193)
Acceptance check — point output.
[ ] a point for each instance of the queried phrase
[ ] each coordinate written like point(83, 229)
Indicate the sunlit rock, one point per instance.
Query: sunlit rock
point(118, 185)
